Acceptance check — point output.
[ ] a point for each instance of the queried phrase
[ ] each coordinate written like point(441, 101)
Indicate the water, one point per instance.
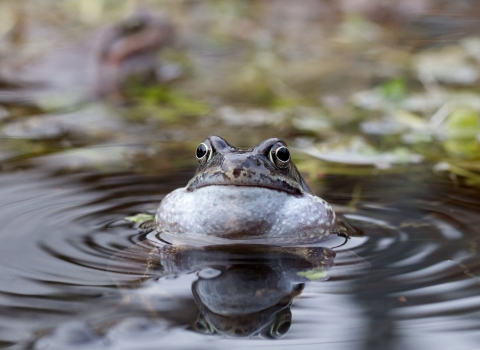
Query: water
point(76, 275)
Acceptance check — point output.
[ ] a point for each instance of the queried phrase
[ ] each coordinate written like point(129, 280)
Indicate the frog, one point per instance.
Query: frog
point(100, 66)
point(129, 50)
point(246, 194)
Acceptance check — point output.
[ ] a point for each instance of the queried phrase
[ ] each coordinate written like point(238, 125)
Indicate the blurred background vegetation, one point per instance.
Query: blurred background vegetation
point(353, 86)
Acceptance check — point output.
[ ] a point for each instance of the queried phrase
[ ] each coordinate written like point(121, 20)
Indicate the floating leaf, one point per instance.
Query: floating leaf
point(139, 218)
point(357, 151)
point(314, 274)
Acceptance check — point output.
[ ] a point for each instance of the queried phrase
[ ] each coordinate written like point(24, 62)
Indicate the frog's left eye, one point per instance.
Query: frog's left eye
point(203, 153)
point(280, 156)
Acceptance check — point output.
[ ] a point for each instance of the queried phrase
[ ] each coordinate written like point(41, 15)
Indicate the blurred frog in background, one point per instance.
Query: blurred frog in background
point(95, 67)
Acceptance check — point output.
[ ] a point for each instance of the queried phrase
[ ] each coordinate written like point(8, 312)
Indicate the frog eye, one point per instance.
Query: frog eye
point(202, 326)
point(280, 326)
point(280, 156)
point(203, 153)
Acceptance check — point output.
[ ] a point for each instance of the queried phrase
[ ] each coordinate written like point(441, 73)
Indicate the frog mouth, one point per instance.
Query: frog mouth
point(278, 184)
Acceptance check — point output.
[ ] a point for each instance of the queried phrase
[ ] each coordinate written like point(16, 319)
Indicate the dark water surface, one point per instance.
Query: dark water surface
point(355, 82)
point(76, 275)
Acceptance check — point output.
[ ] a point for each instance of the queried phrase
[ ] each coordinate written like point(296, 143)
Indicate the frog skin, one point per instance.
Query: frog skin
point(246, 194)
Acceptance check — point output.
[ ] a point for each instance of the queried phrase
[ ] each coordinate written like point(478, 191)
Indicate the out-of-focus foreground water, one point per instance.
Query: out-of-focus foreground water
point(379, 105)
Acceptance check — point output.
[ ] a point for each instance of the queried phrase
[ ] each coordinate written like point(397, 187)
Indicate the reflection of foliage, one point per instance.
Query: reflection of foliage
point(139, 218)
point(164, 103)
point(471, 178)
point(313, 274)
point(24, 148)
point(394, 89)
point(259, 86)
point(463, 126)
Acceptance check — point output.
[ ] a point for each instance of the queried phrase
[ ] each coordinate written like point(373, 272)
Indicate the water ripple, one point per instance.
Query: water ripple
point(415, 267)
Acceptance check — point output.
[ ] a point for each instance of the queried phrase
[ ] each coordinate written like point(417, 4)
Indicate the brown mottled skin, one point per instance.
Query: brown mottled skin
point(247, 167)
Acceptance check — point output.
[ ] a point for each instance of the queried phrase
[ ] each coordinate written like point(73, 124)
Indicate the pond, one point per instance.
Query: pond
point(379, 106)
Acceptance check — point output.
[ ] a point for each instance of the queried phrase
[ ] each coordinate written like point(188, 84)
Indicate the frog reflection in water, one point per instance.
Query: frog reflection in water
point(254, 295)
point(246, 194)
point(241, 291)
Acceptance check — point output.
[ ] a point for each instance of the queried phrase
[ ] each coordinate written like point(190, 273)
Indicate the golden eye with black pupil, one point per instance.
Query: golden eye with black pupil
point(280, 156)
point(203, 153)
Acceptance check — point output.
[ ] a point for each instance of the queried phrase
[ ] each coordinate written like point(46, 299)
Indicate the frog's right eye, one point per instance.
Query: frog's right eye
point(280, 155)
point(203, 153)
